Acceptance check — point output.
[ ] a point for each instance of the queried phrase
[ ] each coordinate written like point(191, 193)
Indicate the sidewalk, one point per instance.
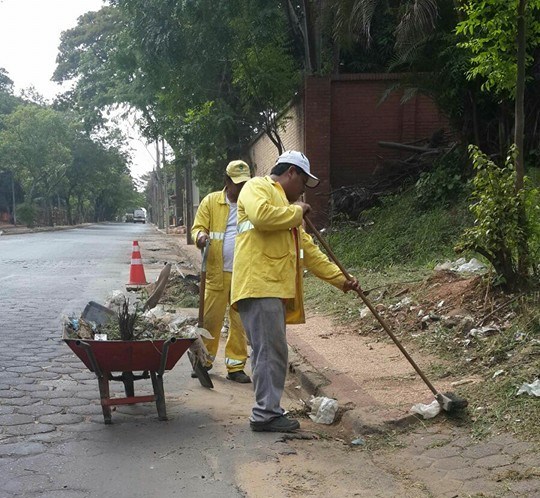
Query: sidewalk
point(20, 229)
point(375, 396)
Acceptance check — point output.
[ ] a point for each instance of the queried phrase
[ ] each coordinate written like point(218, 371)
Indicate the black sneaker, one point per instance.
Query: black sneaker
point(239, 377)
point(278, 424)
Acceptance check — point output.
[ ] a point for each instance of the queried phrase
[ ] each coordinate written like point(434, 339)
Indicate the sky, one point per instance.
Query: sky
point(29, 37)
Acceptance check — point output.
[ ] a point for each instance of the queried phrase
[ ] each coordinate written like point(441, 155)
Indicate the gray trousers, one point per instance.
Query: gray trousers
point(264, 322)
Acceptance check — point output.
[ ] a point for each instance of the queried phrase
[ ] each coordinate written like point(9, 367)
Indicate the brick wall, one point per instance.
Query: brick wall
point(338, 125)
point(360, 120)
point(317, 143)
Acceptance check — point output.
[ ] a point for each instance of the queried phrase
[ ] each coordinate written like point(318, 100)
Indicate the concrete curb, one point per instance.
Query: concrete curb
point(18, 230)
point(358, 412)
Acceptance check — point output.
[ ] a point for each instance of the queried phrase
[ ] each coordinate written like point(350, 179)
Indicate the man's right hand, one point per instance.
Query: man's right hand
point(201, 239)
point(306, 208)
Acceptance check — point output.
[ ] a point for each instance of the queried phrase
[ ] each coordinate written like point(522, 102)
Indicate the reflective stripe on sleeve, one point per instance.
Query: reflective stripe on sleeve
point(244, 226)
point(301, 254)
point(217, 235)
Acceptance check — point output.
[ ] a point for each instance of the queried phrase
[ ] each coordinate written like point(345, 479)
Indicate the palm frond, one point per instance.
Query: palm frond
point(353, 18)
point(361, 17)
point(417, 22)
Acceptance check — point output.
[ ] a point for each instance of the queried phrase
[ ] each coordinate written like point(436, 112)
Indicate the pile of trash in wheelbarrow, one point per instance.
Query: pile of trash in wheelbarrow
point(123, 336)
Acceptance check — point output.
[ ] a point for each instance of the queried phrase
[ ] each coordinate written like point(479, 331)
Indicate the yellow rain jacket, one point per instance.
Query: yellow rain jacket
point(272, 249)
point(211, 218)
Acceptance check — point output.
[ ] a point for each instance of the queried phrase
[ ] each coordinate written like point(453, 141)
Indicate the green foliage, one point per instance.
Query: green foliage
point(264, 70)
point(399, 232)
point(34, 145)
point(443, 184)
point(498, 231)
point(27, 213)
point(206, 75)
point(490, 33)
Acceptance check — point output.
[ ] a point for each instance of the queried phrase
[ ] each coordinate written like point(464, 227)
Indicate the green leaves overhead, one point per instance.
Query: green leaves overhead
point(489, 31)
point(34, 146)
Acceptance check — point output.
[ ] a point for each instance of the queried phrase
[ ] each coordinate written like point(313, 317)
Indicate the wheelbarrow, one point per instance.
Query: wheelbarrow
point(153, 358)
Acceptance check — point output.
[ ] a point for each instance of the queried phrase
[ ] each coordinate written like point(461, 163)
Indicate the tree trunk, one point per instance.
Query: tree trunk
point(189, 200)
point(520, 93)
point(523, 250)
point(179, 192)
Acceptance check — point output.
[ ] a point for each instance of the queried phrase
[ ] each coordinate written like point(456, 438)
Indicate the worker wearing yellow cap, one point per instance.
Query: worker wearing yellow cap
point(216, 221)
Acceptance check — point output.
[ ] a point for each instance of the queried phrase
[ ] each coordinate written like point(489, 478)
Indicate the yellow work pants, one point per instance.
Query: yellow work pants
point(215, 305)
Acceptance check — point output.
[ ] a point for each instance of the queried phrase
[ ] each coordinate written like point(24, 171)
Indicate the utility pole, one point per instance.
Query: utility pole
point(189, 199)
point(13, 210)
point(165, 187)
point(159, 189)
point(179, 193)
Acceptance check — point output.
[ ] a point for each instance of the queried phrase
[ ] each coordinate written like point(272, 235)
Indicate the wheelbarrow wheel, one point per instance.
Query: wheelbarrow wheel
point(129, 384)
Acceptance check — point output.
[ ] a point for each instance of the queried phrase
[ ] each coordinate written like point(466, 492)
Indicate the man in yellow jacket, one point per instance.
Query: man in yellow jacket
point(216, 221)
point(271, 251)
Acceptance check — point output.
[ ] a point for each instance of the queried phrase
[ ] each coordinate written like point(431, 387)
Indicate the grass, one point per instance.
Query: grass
point(394, 248)
point(399, 233)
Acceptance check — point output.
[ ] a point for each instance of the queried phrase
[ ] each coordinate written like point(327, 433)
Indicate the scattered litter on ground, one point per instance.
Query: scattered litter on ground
point(532, 389)
point(427, 411)
point(483, 332)
point(461, 382)
point(462, 266)
point(358, 442)
point(323, 409)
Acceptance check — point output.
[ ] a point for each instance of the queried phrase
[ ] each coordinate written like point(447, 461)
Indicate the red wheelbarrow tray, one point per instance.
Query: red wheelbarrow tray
point(154, 356)
point(122, 356)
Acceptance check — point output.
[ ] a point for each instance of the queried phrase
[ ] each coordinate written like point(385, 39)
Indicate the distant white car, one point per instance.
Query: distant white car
point(139, 216)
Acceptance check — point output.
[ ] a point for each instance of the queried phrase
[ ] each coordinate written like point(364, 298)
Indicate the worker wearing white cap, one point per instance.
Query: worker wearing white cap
point(271, 251)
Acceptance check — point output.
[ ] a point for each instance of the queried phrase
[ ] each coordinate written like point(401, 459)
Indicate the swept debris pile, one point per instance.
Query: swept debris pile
point(154, 324)
point(120, 319)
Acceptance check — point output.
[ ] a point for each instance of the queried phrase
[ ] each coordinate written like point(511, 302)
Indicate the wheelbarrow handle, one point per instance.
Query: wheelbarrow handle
point(368, 303)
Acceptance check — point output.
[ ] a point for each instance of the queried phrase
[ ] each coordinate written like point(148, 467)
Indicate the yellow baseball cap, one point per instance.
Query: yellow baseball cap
point(238, 171)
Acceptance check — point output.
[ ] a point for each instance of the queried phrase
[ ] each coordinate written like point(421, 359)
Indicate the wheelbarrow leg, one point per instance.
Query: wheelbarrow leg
point(103, 382)
point(157, 383)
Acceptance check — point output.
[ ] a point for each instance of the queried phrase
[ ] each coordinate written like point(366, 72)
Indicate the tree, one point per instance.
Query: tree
point(502, 35)
point(35, 145)
point(499, 33)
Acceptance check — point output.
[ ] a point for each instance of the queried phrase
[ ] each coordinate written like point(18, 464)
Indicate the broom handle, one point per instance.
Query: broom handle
point(202, 283)
point(367, 302)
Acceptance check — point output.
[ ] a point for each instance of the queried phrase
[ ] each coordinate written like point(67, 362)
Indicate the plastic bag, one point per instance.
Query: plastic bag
point(323, 410)
point(531, 389)
point(427, 411)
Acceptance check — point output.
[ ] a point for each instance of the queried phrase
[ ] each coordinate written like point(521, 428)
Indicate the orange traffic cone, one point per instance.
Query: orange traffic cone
point(137, 277)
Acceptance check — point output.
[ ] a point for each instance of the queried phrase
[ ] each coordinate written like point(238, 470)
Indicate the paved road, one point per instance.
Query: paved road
point(53, 442)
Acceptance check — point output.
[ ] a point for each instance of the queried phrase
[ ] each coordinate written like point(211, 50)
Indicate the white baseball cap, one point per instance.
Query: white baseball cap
point(298, 159)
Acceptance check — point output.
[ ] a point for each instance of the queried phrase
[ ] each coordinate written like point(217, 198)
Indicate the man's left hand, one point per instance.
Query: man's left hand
point(350, 285)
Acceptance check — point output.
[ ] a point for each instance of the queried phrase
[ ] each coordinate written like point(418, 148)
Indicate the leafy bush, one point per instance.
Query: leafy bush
point(498, 231)
point(27, 213)
point(442, 185)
